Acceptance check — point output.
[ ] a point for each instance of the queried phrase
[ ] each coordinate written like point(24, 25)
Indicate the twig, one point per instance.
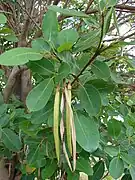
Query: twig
point(29, 16)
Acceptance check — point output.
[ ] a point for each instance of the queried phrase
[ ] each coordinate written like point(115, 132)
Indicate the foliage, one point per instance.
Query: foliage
point(80, 114)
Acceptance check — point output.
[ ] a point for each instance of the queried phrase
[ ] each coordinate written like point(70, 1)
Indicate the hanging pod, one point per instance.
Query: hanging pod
point(56, 122)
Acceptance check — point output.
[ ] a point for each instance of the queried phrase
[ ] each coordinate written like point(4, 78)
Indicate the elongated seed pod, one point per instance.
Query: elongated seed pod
point(56, 122)
point(68, 121)
point(72, 127)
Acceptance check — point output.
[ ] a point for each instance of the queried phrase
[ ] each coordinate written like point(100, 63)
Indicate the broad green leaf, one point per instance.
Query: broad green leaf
point(98, 169)
point(39, 96)
point(67, 35)
point(63, 72)
point(4, 120)
point(83, 165)
point(11, 37)
point(73, 175)
point(111, 150)
point(3, 109)
point(41, 45)
point(41, 116)
point(102, 86)
point(19, 56)
point(100, 69)
point(66, 38)
point(69, 12)
point(49, 169)
point(128, 158)
point(87, 40)
point(87, 133)
point(3, 18)
point(65, 47)
point(132, 172)
point(11, 140)
point(90, 99)
point(107, 20)
point(116, 167)
point(44, 67)
point(123, 109)
point(104, 4)
point(114, 127)
point(50, 26)
point(36, 153)
point(112, 2)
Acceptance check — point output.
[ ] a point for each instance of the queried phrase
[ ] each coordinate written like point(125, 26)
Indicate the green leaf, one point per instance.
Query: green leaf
point(90, 99)
point(112, 2)
point(50, 26)
point(116, 167)
point(123, 109)
point(3, 18)
point(11, 37)
point(66, 38)
point(132, 172)
point(102, 86)
point(63, 72)
point(100, 69)
point(69, 12)
point(39, 96)
point(73, 175)
point(64, 47)
point(107, 20)
point(41, 116)
point(11, 140)
point(41, 45)
point(4, 120)
point(87, 133)
point(83, 165)
point(19, 56)
point(49, 169)
point(128, 158)
point(87, 40)
point(3, 109)
point(36, 153)
point(114, 127)
point(98, 169)
point(111, 150)
point(44, 67)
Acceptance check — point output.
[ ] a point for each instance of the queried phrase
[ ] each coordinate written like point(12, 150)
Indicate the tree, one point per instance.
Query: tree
point(67, 102)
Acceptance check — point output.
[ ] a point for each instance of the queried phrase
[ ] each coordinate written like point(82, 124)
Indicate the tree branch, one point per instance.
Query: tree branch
point(38, 27)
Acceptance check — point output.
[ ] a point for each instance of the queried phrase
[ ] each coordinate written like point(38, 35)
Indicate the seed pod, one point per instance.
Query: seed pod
point(68, 121)
point(72, 126)
point(56, 122)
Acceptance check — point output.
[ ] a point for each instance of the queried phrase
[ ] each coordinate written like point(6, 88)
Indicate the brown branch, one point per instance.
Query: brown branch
point(126, 7)
point(89, 4)
point(11, 82)
point(32, 19)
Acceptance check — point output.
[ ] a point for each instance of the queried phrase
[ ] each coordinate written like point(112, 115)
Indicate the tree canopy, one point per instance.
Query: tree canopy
point(67, 89)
